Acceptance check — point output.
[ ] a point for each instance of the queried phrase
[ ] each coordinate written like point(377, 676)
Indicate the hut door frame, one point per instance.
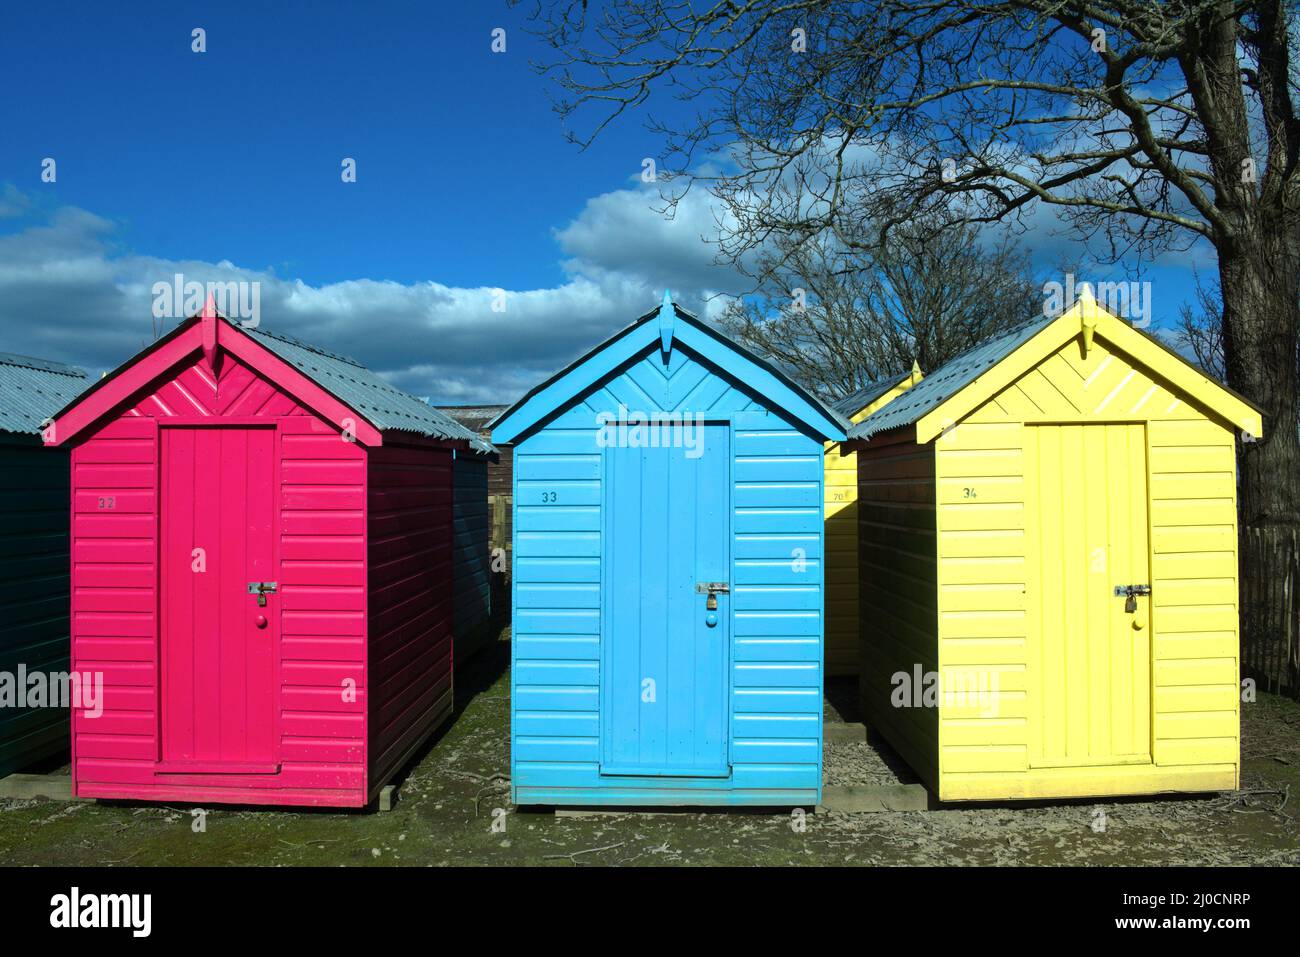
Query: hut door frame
point(717, 568)
point(1085, 529)
point(267, 761)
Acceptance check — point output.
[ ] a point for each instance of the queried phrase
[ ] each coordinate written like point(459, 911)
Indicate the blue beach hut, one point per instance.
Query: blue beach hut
point(667, 590)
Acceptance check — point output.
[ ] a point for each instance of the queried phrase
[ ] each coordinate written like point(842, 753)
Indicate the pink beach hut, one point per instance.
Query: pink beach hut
point(261, 572)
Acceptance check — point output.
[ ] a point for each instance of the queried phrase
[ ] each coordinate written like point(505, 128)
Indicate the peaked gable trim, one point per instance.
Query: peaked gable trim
point(571, 381)
point(1081, 319)
point(765, 379)
point(579, 376)
point(1211, 393)
point(181, 344)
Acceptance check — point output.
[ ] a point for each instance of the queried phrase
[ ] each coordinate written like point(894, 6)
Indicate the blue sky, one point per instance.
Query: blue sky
point(462, 164)
point(226, 164)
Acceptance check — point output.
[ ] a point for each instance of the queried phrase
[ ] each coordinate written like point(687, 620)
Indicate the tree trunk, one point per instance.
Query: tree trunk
point(1261, 318)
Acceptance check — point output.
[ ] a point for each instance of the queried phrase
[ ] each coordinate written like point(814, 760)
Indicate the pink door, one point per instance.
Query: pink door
point(218, 696)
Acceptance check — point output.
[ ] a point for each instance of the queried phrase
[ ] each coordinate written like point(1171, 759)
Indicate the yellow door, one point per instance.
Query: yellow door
point(1086, 532)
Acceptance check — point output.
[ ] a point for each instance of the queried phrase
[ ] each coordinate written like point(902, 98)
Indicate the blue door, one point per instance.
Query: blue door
point(664, 650)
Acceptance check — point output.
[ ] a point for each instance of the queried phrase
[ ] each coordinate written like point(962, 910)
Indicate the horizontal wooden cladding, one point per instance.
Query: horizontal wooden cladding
point(555, 781)
point(568, 493)
point(1062, 783)
point(557, 518)
point(34, 592)
point(794, 494)
point(92, 772)
point(321, 603)
point(1194, 592)
point(556, 544)
point(555, 467)
point(555, 570)
point(556, 621)
point(896, 565)
point(109, 476)
point(776, 598)
point(778, 545)
point(114, 579)
point(322, 542)
point(1190, 462)
point(410, 600)
point(470, 558)
point(322, 572)
point(328, 471)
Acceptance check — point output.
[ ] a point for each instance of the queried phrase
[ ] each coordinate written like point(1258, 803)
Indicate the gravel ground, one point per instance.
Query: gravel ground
point(458, 789)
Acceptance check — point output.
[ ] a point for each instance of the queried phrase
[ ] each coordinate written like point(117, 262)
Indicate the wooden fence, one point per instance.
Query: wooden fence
point(1270, 609)
point(499, 519)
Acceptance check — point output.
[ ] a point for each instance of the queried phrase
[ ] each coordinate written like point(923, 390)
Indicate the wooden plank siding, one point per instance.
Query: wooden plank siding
point(898, 568)
point(981, 523)
point(409, 574)
point(471, 557)
point(841, 493)
point(775, 658)
point(34, 549)
point(321, 507)
point(841, 561)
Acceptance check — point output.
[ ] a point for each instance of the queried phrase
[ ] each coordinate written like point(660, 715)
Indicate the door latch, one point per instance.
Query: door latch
point(1131, 593)
point(261, 590)
point(712, 589)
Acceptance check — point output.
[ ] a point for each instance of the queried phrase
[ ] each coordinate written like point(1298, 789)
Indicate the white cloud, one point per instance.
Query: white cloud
point(620, 234)
point(68, 293)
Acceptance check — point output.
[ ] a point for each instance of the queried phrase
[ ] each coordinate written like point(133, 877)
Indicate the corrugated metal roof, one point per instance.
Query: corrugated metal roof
point(949, 379)
point(473, 417)
point(32, 390)
point(385, 407)
point(855, 402)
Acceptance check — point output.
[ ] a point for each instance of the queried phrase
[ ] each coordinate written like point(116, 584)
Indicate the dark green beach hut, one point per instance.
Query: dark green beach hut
point(34, 514)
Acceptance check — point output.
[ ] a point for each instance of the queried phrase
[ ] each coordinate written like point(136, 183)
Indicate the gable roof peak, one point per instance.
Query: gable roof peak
point(667, 317)
point(658, 328)
point(979, 372)
point(338, 385)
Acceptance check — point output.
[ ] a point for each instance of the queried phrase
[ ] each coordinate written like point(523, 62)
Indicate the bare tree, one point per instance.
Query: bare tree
point(838, 320)
point(1200, 330)
point(1146, 124)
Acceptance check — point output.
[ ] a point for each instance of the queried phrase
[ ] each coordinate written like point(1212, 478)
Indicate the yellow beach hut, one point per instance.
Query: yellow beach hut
point(841, 516)
point(1048, 558)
